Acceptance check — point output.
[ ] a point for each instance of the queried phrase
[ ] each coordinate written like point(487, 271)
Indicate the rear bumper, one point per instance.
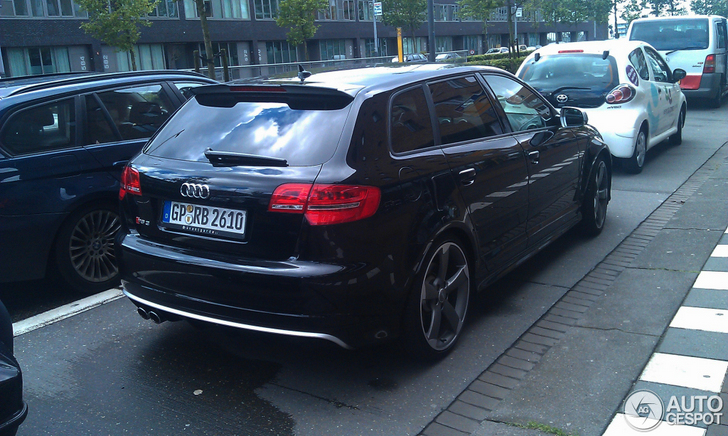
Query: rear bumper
point(709, 87)
point(343, 304)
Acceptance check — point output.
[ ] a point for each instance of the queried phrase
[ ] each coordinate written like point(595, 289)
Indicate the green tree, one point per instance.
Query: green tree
point(710, 7)
point(407, 14)
point(209, 55)
point(117, 22)
point(633, 10)
point(479, 10)
point(666, 7)
point(298, 16)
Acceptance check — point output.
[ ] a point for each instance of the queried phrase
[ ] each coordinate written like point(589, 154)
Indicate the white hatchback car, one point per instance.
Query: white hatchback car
point(626, 88)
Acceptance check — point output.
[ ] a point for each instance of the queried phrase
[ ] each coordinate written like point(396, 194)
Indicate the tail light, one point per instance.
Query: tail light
point(129, 182)
point(709, 66)
point(621, 94)
point(326, 204)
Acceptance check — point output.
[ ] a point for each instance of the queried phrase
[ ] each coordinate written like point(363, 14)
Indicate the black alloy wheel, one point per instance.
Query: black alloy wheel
point(85, 249)
point(596, 200)
point(439, 301)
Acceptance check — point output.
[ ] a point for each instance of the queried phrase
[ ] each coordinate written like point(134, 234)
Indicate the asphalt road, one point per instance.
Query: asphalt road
point(107, 371)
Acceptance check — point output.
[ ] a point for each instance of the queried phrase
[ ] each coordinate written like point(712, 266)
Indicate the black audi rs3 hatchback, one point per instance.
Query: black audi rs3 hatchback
point(353, 206)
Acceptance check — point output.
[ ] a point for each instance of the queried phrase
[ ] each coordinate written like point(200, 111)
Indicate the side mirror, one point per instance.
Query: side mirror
point(573, 117)
point(678, 74)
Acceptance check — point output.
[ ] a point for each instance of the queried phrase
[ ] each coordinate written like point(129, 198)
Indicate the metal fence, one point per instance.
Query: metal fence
point(242, 72)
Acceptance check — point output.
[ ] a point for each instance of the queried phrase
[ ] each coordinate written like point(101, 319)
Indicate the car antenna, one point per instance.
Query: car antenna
point(303, 74)
point(536, 57)
point(605, 55)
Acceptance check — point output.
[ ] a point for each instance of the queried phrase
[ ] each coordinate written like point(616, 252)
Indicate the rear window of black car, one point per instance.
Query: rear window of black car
point(589, 71)
point(272, 129)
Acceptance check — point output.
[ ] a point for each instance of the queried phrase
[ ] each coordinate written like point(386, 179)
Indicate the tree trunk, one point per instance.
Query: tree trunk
point(133, 60)
point(305, 50)
point(206, 37)
point(616, 29)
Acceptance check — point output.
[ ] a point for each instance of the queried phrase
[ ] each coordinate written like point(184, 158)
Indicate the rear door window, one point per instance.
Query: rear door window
point(463, 110)
point(638, 61)
point(410, 122)
point(672, 34)
point(47, 127)
point(138, 111)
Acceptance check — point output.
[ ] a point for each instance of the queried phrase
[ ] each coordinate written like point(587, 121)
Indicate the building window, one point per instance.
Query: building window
point(38, 60)
point(494, 41)
point(534, 39)
point(550, 37)
point(341, 10)
point(48, 8)
point(366, 11)
point(332, 49)
point(581, 36)
point(266, 9)
point(148, 57)
point(280, 52)
point(165, 9)
point(418, 46)
point(443, 43)
point(230, 47)
point(232, 9)
point(369, 47)
point(471, 42)
point(566, 36)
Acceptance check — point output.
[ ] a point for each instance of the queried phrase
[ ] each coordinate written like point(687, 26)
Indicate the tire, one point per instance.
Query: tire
point(716, 101)
point(676, 139)
point(84, 249)
point(439, 301)
point(635, 163)
point(596, 199)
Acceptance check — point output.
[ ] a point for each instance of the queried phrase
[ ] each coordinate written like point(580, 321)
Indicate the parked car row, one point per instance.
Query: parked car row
point(63, 144)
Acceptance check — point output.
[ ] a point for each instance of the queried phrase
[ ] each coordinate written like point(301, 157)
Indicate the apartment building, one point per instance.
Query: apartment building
point(43, 36)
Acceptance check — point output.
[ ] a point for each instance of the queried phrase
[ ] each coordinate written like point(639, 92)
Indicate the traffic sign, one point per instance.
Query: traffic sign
point(378, 8)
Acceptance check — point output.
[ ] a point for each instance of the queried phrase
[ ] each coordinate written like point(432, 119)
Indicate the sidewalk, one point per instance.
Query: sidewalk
point(652, 316)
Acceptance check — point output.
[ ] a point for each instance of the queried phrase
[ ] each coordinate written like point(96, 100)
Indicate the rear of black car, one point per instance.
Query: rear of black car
point(572, 78)
point(225, 210)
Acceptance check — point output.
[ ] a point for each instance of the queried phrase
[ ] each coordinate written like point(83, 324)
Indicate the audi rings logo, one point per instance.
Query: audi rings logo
point(562, 98)
point(194, 190)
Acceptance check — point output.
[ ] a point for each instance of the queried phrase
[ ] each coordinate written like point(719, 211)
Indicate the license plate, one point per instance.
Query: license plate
point(205, 220)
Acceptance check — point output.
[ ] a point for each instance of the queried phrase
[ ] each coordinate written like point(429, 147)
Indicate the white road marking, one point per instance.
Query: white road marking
point(67, 311)
point(619, 427)
point(685, 371)
point(712, 280)
point(701, 318)
point(720, 251)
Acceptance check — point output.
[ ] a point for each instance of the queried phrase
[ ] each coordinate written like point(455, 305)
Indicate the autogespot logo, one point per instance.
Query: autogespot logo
point(643, 410)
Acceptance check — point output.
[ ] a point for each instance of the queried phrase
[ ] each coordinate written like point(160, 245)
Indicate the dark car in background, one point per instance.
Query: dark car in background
point(356, 207)
point(13, 409)
point(63, 144)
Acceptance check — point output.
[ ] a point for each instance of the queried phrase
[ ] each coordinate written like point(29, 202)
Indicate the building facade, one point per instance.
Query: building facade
point(43, 36)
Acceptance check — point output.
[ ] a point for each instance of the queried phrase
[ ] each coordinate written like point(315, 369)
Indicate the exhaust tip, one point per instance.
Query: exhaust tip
point(155, 317)
point(143, 312)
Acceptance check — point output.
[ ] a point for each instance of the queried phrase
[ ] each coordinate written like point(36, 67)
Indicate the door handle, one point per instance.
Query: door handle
point(467, 176)
point(533, 157)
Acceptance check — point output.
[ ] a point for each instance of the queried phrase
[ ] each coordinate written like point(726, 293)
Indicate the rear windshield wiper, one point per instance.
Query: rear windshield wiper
point(233, 158)
point(685, 48)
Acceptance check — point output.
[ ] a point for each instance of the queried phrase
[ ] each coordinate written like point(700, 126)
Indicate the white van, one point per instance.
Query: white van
point(697, 44)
